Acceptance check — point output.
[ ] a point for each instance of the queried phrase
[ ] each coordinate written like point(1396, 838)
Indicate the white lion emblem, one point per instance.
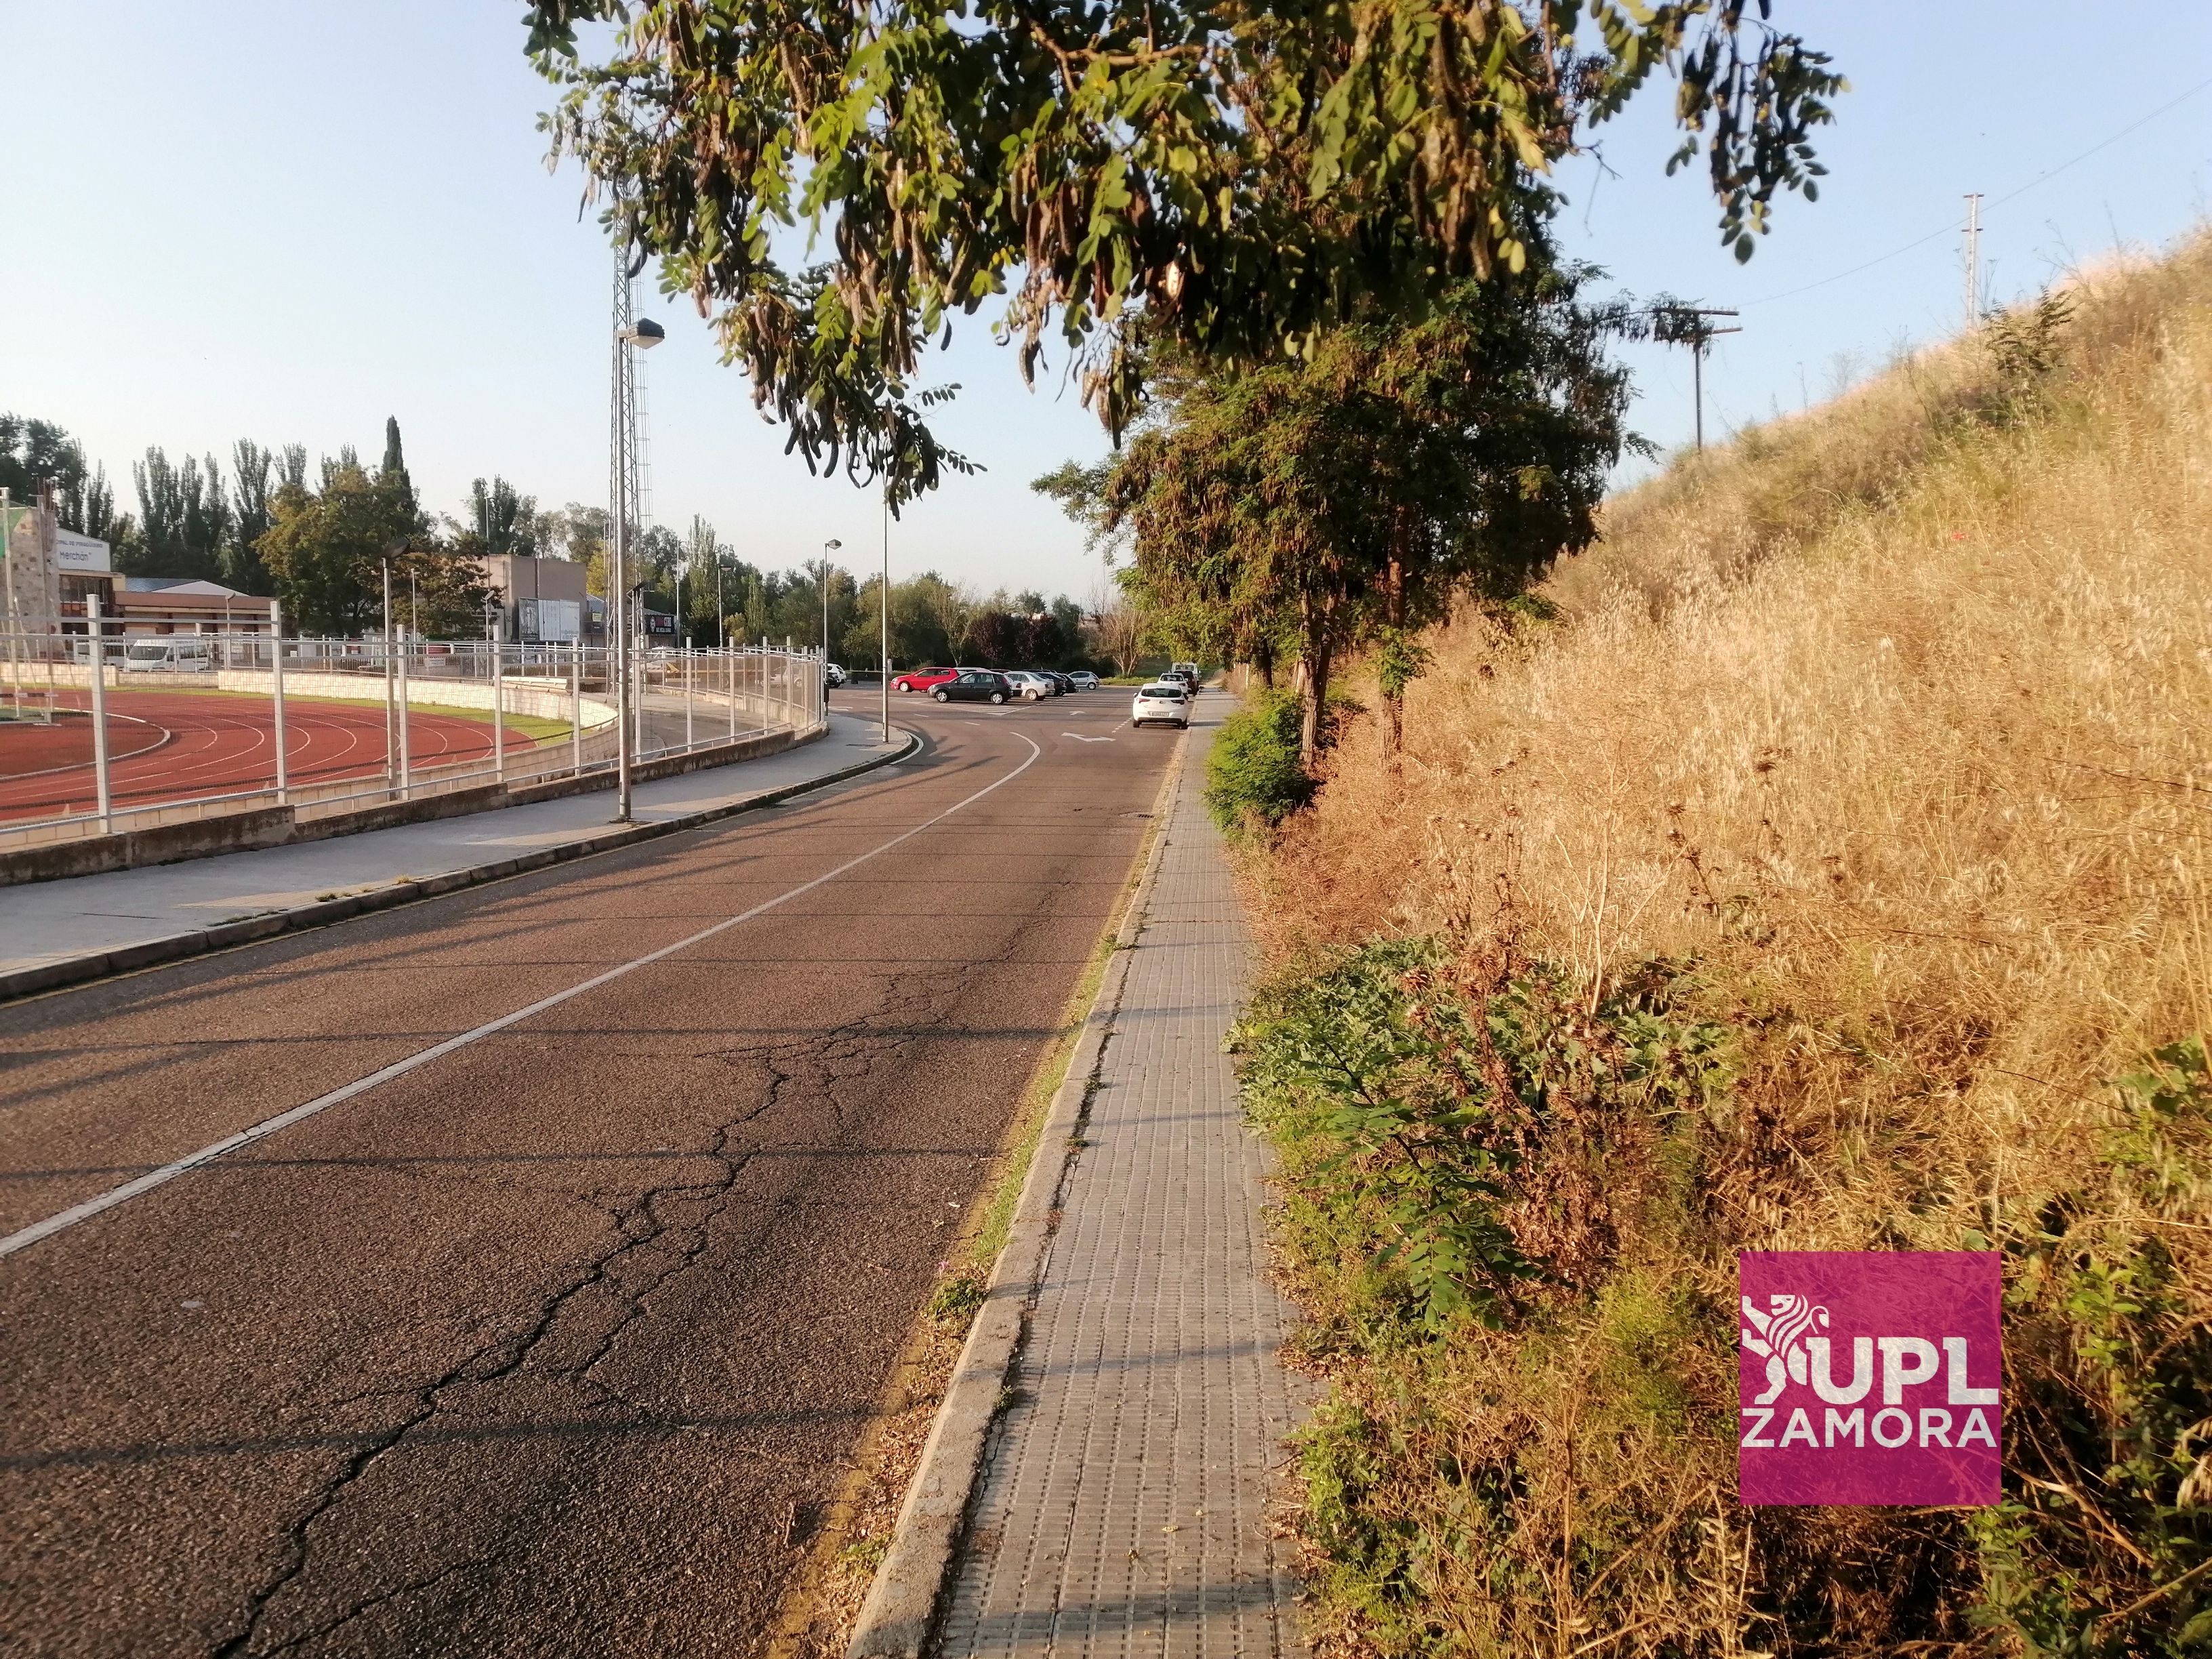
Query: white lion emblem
point(1778, 1333)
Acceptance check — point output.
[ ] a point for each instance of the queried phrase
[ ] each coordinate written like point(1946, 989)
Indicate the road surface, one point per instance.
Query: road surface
point(542, 1344)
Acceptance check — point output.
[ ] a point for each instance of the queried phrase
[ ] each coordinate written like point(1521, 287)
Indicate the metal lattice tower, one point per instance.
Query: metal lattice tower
point(625, 497)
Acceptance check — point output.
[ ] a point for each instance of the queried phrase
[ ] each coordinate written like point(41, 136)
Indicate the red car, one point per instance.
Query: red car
point(921, 679)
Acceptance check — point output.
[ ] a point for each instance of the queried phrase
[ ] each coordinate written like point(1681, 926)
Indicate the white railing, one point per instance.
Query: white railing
point(80, 754)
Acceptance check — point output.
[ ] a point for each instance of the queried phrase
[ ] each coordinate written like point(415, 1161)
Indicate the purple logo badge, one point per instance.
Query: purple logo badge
point(1868, 1377)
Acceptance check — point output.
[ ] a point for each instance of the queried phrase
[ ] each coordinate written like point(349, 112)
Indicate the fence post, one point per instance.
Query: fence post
point(406, 759)
point(98, 631)
point(730, 663)
point(576, 707)
point(277, 694)
point(498, 710)
point(688, 665)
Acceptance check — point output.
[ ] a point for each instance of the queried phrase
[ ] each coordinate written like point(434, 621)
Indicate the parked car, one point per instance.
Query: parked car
point(1165, 700)
point(168, 657)
point(833, 675)
point(1031, 687)
point(1083, 680)
point(921, 679)
point(1062, 683)
point(973, 685)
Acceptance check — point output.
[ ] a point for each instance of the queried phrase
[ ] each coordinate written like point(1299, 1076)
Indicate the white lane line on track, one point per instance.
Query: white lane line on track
point(24, 1238)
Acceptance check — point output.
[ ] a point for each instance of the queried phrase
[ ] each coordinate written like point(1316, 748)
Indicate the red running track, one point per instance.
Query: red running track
point(171, 746)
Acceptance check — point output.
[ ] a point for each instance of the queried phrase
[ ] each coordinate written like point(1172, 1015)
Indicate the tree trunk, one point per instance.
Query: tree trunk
point(1394, 598)
point(1263, 663)
point(1313, 678)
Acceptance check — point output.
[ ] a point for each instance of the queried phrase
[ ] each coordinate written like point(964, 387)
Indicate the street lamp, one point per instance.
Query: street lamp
point(828, 548)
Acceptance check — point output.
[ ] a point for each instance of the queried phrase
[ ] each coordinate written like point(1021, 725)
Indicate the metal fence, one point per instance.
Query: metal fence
point(327, 725)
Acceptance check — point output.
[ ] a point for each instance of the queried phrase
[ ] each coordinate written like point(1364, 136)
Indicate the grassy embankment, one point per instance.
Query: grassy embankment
point(1824, 866)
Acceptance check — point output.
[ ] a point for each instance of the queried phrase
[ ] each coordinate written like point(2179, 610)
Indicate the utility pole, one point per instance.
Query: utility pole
point(1973, 260)
point(1675, 323)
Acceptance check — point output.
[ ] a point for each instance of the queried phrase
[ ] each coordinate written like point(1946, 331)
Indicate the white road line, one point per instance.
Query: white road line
point(145, 1183)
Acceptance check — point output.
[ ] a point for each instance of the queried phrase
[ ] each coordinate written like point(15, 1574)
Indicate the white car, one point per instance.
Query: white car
point(1163, 703)
point(168, 657)
point(1034, 688)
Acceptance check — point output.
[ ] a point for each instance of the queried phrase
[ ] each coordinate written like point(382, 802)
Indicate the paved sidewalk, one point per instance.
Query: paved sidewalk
point(53, 921)
point(1122, 1506)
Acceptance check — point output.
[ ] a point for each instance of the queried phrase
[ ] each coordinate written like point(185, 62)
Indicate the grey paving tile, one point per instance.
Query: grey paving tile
point(1123, 1505)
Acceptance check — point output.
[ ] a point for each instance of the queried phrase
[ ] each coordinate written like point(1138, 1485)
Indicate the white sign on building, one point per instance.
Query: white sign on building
point(80, 553)
point(557, 620)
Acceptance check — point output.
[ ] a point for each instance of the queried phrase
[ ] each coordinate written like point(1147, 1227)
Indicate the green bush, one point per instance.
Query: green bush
point(1252, 777)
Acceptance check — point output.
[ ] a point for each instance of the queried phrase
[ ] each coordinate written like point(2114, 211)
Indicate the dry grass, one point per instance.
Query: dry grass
point(1895, 723)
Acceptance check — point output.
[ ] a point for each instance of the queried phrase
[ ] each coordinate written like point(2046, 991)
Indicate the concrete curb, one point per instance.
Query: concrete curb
point(201, 941)
point(896, 1619)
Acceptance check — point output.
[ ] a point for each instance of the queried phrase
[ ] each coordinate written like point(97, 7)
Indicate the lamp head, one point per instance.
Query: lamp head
point(644, 334)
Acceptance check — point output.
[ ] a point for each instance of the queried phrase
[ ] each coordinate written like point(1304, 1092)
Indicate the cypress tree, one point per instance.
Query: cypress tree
point(394, 470)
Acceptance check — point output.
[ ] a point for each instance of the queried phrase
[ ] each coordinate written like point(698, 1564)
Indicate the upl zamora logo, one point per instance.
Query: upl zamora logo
point(1868, 1377)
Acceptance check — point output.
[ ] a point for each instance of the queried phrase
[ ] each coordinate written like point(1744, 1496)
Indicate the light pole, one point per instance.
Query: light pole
point(828, 548)
point(641, 334)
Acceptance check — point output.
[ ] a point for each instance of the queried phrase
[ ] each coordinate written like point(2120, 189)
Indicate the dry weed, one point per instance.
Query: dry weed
point(1895, 720)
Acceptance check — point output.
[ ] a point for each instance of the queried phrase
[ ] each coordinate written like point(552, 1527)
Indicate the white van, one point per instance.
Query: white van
point(168, 657)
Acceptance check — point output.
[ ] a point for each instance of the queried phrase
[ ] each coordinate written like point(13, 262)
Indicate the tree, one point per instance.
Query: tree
point(1242, 173)
point(34, 451)
point(1350, 497)
point(326, 549)
point(501, 519)
point(184, 519)
point(1119, 627)
point(441, 590)
point(394, 468)
point(993, 639)
point(574, 532)
point(251, 473)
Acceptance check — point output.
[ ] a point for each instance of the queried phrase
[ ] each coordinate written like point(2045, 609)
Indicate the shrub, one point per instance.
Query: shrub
point(1252, 777)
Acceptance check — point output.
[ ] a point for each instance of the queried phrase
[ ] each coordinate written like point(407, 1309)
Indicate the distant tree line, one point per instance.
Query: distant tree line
point(317, 538)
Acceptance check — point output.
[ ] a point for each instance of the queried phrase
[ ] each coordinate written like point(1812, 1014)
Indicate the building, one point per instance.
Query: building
point(542, 600)
point(178, 604)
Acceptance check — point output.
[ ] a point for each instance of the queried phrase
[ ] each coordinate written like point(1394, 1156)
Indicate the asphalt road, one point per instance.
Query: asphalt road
point(533, 1348)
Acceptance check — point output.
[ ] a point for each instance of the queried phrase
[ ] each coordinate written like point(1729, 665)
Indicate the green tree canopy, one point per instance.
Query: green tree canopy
point(1240, 173)
point(1349, 497)
point(503, 519)
point(184, 518)
point(325, 547)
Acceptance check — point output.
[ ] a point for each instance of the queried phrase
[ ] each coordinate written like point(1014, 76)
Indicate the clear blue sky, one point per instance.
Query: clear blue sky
point(286, 219)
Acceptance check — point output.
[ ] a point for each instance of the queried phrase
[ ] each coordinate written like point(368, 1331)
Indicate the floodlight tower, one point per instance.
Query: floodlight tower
point(625, 514)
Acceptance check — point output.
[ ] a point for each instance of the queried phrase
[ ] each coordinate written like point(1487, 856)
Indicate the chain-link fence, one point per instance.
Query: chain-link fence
point(167, 728)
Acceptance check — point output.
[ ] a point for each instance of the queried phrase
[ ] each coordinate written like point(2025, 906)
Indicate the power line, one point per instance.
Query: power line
point(1921, 241)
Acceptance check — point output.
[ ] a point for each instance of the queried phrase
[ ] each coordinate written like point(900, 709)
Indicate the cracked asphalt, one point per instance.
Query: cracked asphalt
point(558, 1343)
